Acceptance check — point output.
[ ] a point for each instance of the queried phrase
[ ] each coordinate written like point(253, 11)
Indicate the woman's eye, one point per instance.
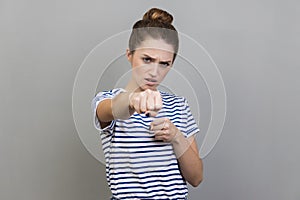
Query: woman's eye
point(147, 60)
point(165, 64)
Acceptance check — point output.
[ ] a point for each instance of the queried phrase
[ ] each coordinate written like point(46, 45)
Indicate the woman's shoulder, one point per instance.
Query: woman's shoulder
point(110, 92)
point(170, 96)
point(114, 90)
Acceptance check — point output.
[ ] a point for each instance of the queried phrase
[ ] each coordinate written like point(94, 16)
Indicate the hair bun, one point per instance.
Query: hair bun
point(156, 14)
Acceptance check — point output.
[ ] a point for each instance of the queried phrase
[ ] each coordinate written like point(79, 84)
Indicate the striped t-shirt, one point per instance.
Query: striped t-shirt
point(137, 166)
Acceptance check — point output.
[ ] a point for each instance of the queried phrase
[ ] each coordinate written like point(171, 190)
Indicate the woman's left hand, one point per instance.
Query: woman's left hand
point(164, 129)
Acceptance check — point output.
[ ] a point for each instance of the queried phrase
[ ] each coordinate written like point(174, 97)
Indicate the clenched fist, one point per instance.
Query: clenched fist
point(164, 130)
point(147, 101)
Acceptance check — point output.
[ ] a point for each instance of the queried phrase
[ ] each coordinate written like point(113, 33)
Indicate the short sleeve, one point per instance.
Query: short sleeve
point(95, 102)
point(190, 125)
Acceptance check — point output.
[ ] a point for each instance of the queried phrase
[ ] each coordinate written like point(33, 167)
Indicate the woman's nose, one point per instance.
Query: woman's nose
point(154, 70)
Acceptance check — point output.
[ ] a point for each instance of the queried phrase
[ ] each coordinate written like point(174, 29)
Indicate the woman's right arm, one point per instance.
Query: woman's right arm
point(125, 104)
point(115, 108)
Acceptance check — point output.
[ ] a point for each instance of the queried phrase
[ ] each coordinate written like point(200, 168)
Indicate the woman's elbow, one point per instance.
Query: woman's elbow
point(196, 182)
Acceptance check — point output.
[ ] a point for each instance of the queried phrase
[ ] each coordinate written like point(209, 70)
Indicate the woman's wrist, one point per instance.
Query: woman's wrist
point(180, 144)
point(178, 137)
point(121, 106)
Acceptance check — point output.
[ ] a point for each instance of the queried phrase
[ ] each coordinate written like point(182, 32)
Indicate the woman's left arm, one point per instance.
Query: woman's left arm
point(185, 149)
point(190, 163)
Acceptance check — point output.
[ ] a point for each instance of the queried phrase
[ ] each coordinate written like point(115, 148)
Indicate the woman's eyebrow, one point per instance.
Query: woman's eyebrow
point(168, 61)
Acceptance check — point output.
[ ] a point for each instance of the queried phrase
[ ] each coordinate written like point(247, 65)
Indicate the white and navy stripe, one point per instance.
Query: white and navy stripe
point(137, 166)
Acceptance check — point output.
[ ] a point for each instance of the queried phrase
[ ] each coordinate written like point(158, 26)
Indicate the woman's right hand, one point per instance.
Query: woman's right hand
point(147, 101)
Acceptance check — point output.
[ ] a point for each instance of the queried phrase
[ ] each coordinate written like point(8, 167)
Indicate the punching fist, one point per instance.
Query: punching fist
point(147, 101)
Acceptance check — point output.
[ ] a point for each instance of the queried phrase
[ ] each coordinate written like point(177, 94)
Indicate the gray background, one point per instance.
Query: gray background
point(254, 43)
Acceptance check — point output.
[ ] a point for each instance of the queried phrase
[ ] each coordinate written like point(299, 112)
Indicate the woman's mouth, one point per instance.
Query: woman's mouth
point(151, 81)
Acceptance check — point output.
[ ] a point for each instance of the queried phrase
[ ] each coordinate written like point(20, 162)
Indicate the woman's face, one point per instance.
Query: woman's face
point(151, 62)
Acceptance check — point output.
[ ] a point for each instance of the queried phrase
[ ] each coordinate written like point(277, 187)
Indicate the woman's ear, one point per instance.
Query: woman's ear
point(128, 54)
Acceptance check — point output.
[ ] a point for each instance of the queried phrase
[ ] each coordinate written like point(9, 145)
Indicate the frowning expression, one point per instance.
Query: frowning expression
point(151, 62)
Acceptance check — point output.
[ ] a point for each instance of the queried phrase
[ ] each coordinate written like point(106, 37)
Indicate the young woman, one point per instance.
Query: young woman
point(147, 134)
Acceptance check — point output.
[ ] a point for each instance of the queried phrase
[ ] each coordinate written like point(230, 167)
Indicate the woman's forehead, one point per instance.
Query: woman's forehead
point(156, 53)
point(156, 45)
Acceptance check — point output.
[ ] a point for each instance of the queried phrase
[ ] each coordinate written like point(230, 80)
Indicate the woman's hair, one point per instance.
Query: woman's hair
point(156, 24)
